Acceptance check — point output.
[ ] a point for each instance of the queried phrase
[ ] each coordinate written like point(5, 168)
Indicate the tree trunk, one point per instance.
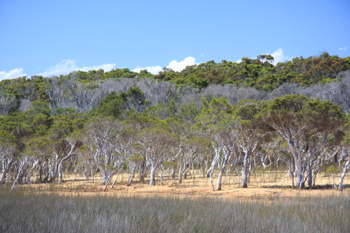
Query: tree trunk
point(105, 179)
point(153, 176)
point(245, 171)
point(224, 164)
point(211, 180)
point(40, 173)
point(131, 176)
point(153, 172)
point(173, 173)
point(219, 184)
point(115, 181)
point(60, 170)
point(341, 180)
point(309, 176)
point(142, 171)
point(18, 175)
point(4, 173)
point(180, 176)
point(299, 173)
point(185, 174)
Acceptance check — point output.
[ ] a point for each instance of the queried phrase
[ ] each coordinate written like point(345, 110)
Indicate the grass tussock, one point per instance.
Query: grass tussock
point(37, 212)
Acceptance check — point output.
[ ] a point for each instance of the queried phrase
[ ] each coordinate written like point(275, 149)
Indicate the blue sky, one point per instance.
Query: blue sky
point(57, 37)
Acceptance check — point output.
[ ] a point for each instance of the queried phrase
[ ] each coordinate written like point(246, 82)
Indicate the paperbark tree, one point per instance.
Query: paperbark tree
point(185, 155)
point(344, 161)
point(7, 148)
point(156, 142)
point(254, 132)
point(225, 138)
point(101, 137)
point(217, 123)
point(300, 121)
point(345, 167)
point(123, 150)
point(71, 147)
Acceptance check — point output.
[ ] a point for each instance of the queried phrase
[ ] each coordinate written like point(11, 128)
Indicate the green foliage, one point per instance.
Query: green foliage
point(64, 111)
point(6, 138)
point(169, 164)
point(136, 158)
point(118, 105)
point(332, 169)
point(214, 112)
point(123, 73)
point(260, 73)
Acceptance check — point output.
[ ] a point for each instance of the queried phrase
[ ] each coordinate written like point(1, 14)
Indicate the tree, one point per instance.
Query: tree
point(7, 149)
point(344, 161)
point(225, 137)
point(156, 143)
point(218, 123)
point(254, 132)
point(7, 102)
point(101, 137)
point(305, 124)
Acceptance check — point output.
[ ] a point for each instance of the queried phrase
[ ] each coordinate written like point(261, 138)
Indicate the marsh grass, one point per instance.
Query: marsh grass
point(32, 211)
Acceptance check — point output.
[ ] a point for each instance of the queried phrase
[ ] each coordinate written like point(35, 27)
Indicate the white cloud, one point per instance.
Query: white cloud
point(279, 56)
point(105, 67)
point(174, 65)
point(67, 66)
point(151, 69)
point(342, 49)
point(15, 73)
point(178, 66)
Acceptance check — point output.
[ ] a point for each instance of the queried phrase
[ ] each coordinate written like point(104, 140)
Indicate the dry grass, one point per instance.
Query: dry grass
point(38, 212)
point(264, 185)
point(269, 204)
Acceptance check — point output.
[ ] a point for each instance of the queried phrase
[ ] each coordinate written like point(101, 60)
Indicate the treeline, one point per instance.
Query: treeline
point(305, 134)
point(120, 121)
point(258, 73)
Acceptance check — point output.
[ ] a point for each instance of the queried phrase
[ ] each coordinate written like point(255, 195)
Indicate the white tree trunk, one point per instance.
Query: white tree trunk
point(180, 175)
point(211, 169)
point(153, 172)
point(299, 173)
point(18, 174)
point(291, 172)
point(224, 164)
point(219, 182)
point(131, 177)
point(153, 176)
point(341, 180)
point(5, 169)
point(245, 170)
point(60, 173)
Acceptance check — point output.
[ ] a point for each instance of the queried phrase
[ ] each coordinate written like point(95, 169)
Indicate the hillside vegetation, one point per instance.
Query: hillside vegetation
point(233, 116)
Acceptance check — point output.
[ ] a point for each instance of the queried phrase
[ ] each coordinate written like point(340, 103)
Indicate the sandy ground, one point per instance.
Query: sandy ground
point(263, 186)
